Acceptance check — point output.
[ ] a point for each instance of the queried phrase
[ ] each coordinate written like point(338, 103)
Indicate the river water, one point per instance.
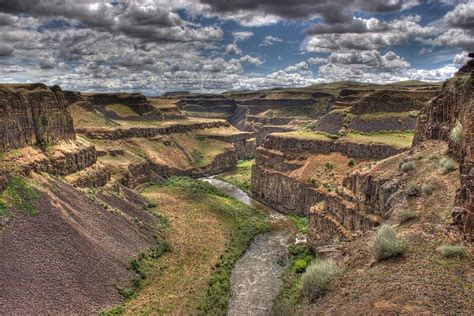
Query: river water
point(255, 280)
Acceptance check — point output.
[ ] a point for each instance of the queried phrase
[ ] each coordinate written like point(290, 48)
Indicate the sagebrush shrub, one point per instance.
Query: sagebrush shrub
point(386, 244)
point(427, 189)
point(456, 132)
point(448, 165)
point(449, 251)
point(407, 166)
point(318, 277)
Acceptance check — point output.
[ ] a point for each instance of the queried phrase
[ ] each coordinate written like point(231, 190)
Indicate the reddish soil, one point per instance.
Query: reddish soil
point(69, 258)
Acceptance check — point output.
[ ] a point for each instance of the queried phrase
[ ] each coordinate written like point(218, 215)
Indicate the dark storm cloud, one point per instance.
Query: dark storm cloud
point(98, 15)
point(146, 21)
point(6, 19)
point(355, 26)
point(5, 51)
point(332, 11)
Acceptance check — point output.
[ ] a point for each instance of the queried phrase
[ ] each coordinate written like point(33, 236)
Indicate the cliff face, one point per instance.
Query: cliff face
point(393, 101)
point(437, 120)
point(136, 101)
point(33, 115)
point(290, 174)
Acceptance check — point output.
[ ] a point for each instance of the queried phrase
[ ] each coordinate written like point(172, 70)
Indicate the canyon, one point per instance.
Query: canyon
point(102, 209)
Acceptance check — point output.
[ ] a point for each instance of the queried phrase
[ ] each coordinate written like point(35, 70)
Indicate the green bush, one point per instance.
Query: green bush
point(300, 222)
point(328, 165)
point(18, 193)
point(299, 265)
point(427, 189)
point(351, 162)
point(328, 187)
point(407, 166)
point(448, 165)
point(317, 278)
point(456, 132)
point(449, 251)
point(405, 216)
point(386, 244)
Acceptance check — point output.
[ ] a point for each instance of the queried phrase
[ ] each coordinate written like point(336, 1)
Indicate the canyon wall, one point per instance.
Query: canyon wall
point(283, 143)
point(33, 115)
point(455, 107)
point(393, 101)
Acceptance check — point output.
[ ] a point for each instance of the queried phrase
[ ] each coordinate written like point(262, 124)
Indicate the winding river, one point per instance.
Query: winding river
point(255, 280)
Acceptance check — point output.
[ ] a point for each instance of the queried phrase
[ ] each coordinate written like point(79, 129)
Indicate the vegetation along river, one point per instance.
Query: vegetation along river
point(255, 280)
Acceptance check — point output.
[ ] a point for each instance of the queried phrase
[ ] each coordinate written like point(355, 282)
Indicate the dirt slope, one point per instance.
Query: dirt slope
point(71, 256)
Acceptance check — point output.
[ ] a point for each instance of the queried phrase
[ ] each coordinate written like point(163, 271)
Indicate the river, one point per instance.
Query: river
point(255, 280)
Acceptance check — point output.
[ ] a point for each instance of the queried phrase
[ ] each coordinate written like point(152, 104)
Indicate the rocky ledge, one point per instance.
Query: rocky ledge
point(147, 132)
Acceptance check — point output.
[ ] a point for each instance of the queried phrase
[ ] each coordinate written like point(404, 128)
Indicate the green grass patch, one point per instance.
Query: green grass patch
point(241, 177)
point(300, 222)
point(289, 298)
point(396, 139)
point(136, 265)
point(18, 193)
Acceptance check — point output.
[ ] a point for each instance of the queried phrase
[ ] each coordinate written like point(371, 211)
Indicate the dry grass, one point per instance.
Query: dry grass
point(121, 109)
point(398, 140)
point(83, 118)
point(315, 170)
point(422, 281)
point(178, 280)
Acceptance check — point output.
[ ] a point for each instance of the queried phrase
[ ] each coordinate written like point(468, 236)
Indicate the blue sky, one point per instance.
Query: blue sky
point(154, 46)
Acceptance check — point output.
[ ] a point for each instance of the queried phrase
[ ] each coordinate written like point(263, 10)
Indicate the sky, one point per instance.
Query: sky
point(157, 46)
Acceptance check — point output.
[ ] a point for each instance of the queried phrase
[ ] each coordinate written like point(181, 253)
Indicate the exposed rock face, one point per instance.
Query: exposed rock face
point(280, 154)
point(355, 150)
point(393, 101)
point(33, 115)
point(146, 132)
point(407, 123)
point(281, 192)
point(369, 195)
point(437, 119)
point(63, 159)
point(136, 101)
point(245, 149)
point(95, 176)
point(208, 107)
point(277, 102)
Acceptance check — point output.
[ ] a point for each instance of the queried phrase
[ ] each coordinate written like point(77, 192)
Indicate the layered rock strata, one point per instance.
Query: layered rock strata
point(33, 115)
point(454, 109)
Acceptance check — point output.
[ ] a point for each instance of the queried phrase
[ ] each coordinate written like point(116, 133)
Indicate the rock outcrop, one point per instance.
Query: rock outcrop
point(454, 108)
point(136, 101)
point(147, 132)
point(393, 101)
point(283, 143)
point(33, 115)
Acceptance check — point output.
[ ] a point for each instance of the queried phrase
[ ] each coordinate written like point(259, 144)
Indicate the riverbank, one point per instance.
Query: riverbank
point(208, 232)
